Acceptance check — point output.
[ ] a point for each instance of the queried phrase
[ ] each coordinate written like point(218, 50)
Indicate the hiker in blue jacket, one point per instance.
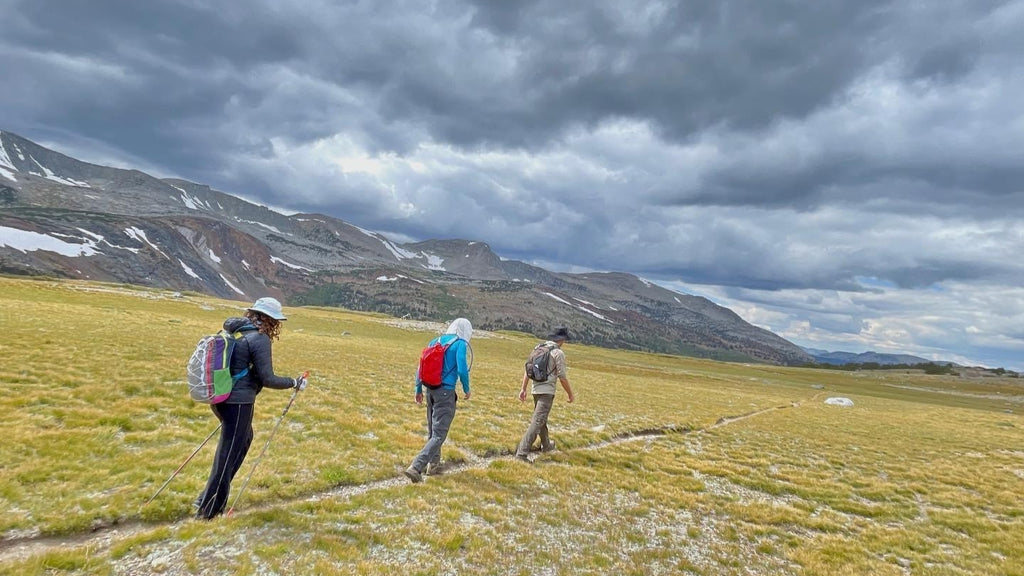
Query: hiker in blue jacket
point(441, 401)
point(260, 326)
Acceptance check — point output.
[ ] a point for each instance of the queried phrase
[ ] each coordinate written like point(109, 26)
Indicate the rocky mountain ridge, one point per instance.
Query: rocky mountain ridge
point(63, 217)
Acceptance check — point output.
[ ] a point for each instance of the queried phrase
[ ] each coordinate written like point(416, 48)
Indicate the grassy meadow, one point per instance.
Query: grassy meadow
point(666, 465)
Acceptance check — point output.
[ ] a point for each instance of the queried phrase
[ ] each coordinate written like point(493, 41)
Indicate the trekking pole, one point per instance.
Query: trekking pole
point(265, 446)
point(187, 460)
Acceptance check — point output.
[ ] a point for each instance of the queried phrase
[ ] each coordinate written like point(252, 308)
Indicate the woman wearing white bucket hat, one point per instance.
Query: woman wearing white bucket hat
point(252, 358)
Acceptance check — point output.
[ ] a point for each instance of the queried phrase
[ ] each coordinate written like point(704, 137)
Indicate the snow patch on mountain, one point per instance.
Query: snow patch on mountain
point(4, 158)
point(273, 229)
point(230, 285)
point(214, 257)
point(559, 299)
point(26, 241)
point(364, 231)
point(192, 202)
point(399, 252)
point(5, 163)
point(188, 270)
point(97, 239)
point(434, 262)
point(92, 235)
point(595, 314)
point(581, 308)
point(49, 175)
point(277, 260)
point(139, 235)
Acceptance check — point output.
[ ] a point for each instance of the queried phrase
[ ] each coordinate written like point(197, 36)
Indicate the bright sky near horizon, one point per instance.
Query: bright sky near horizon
point(845, 173)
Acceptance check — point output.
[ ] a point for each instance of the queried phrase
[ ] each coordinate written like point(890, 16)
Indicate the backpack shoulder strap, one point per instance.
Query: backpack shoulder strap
point(455, 367)
point(240, 336)
point(552, 363)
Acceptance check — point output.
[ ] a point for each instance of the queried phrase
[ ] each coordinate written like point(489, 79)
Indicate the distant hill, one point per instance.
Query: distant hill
point(840, 358)
point(66, 218)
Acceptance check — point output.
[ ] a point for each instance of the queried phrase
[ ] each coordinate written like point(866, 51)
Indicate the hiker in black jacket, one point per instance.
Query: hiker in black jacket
point(259, 328)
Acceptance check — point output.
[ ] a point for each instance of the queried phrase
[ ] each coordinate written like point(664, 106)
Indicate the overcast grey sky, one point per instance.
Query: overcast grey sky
point(848, 174)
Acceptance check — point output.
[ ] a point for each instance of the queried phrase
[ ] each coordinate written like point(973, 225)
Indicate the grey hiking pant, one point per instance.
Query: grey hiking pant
point(441, 412)
point(430, 401)
point(538, 424)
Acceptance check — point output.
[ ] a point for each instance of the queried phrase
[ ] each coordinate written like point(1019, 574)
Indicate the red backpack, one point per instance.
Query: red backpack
point(432, 363)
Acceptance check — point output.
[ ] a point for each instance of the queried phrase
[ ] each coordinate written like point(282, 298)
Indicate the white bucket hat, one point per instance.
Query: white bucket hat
point(269, 306)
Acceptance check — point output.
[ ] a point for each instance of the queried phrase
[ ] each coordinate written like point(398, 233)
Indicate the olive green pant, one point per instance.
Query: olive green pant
point(538, 423)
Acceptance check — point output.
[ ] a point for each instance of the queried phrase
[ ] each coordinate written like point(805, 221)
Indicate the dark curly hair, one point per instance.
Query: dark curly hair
point(265, 324)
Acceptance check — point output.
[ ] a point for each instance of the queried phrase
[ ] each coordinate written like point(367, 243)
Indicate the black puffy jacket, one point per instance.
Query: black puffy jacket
point(252, 351)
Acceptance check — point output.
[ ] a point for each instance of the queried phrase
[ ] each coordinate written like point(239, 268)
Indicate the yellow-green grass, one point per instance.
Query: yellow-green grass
point(922, 476)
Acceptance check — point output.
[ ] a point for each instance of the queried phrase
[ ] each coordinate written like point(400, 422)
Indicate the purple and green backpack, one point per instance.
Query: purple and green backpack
point(209, 368)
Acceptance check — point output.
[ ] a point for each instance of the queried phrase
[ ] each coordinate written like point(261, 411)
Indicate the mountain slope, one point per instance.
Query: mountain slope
point(64, 217)
point(839, 358)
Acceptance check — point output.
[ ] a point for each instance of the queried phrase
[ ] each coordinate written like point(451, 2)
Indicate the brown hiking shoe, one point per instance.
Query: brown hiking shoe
point(413, 475)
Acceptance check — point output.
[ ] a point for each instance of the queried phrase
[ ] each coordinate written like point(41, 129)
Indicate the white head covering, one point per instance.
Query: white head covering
point(461, 328)
point(269, 306)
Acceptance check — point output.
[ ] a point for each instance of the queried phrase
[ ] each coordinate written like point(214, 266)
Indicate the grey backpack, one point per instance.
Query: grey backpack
point(538, 365)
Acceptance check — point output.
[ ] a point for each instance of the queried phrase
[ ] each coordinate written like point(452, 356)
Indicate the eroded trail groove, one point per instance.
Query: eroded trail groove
point(101, 537)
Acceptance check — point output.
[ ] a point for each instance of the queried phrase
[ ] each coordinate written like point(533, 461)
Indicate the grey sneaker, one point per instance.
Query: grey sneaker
point(436, 469)
point(413, 475)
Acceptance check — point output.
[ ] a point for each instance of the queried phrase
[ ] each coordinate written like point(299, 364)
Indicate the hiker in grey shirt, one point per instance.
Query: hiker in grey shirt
point(544, 396)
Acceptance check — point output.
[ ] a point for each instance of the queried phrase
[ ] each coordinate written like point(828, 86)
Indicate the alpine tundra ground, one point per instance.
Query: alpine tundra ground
point(666, 465)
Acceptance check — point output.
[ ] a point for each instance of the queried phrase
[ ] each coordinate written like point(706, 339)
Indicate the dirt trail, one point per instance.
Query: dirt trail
point(103, 537)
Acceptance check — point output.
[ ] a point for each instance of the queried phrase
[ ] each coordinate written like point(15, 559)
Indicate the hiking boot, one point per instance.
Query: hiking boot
point(436, 469)
point(523, 458)
point(413, 475)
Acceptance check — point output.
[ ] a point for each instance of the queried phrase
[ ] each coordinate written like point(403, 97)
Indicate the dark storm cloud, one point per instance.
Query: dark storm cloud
point(684, 67)
point(471, 75)
point(851, 146)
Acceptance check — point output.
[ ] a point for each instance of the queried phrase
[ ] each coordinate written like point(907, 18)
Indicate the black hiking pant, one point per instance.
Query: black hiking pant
point(235, 438)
